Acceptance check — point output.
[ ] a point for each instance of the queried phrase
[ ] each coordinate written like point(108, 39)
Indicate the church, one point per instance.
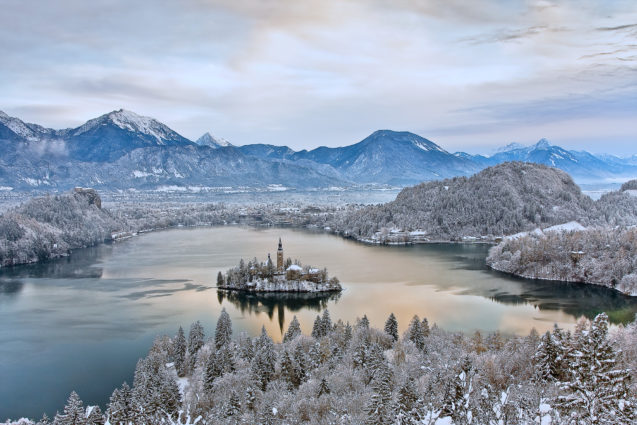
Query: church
point(294, 271)
point(285, 277)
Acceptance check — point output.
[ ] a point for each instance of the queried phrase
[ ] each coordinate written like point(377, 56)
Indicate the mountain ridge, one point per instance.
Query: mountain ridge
point(99, 152)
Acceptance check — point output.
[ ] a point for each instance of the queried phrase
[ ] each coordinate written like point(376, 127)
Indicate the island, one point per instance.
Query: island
point(287, 276)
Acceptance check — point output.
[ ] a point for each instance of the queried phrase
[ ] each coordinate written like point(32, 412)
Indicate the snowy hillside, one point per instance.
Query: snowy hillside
point(501, 200)
point(605, 256)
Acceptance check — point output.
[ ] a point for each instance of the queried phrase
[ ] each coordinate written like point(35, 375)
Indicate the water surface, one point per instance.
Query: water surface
point(82, 322)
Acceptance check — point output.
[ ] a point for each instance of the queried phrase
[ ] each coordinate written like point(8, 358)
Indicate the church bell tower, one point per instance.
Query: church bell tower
point(279, 257)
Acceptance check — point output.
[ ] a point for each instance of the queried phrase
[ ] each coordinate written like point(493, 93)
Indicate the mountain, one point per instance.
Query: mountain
point(583, 166)
point(214, 142)
point(122, 150)
point(391, 157)
point(500, 200)
point(11, 127)
point(112, 135)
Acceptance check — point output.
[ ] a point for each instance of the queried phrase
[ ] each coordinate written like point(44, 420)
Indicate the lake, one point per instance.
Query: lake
point(83, 322)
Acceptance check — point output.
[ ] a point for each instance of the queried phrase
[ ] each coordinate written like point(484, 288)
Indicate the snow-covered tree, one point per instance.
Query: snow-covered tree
point(120, 408)
point(264, 360)
point(408, 404)
point(597, 390)
point(317, 328)
point(94, 416)
point(380, 408)
point(547, 358)
point(179, 351)
point(415, 333)
point(293, 331)
point(323, 388)
point(195, 338)
point(74, 413)
point(391, 327)
point(223, 332)
point(326, 323)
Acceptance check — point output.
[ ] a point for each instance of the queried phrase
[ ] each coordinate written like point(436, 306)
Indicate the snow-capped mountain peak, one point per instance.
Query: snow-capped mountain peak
point(31, 132)
point(213, 141)
point(542, 144)
point(130, 121)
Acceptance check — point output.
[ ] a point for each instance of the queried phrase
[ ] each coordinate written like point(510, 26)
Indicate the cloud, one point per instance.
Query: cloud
point(324, 72)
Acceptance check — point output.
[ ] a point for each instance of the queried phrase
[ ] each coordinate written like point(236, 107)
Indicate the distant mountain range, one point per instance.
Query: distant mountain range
point(122, 150)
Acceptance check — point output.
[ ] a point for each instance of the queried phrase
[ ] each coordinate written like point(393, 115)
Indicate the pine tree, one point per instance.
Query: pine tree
point(415, 333)
point(317, 328)
point(264, 360)
point(597, 390)
point(233, 407)
point(94, 416)
point(250, 398)
point(179, 351)
point(425, 327)
point(45, 420)
point(323, 388)
point(289, 370)
point(301, 363)
point(363, 323)
point(546, 358)
point(169, 394)
point(195, 338)
point(155, 391)
point(380, 409)
point(457, 395)
point(220, 280)
point(348, 333)
point(246, 347)
point(73, 412)
point(212, 371)
point(293, 331)
point(408, 404)
point(223, 332)
point(391, 327)
point(561, 342)
point(326, 323)
point(120, 409)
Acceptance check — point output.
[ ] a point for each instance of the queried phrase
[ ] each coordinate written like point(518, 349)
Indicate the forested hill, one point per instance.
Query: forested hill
point(49, 226)
point(500, 200)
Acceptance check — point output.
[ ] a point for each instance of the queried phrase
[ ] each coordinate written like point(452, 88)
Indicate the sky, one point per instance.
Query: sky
point(469, 75)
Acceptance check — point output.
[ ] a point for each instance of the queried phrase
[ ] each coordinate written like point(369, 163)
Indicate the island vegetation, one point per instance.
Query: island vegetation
point(357, 374)
point(285, 276)
point(600, 256)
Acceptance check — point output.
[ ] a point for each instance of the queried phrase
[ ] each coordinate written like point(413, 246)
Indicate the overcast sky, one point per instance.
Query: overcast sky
point(469, 75)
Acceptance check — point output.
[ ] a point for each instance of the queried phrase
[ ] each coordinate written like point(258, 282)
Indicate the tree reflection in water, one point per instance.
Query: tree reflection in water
point(267, 302)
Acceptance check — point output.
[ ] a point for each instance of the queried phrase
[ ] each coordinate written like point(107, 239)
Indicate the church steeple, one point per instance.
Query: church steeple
point(279, 257)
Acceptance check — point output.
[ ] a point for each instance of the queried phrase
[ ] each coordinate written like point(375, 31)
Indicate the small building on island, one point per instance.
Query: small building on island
point(287, 276)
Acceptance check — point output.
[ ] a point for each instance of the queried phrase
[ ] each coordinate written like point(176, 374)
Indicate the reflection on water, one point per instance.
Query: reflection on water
point(253, 303)
point(81, 323)
point(10, 286)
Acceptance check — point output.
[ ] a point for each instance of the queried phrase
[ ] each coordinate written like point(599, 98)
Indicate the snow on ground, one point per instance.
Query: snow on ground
point(139, 174)
point(571, 226)
point(522, 234)
point(631, 192)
